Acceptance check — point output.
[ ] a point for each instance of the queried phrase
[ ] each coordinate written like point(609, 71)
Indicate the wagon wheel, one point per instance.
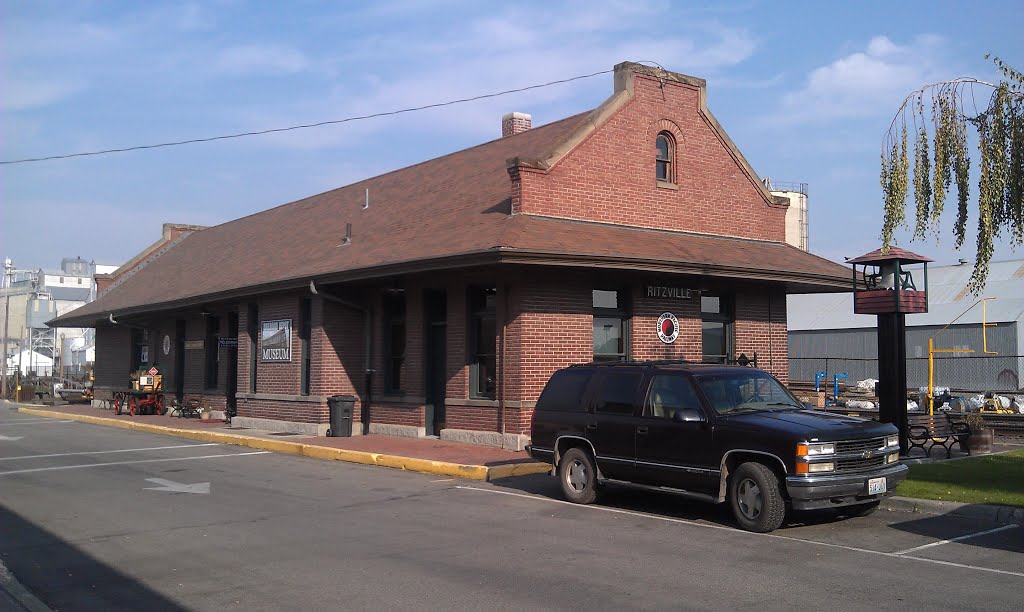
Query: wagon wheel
point(160, 408)
point(118, 398)
point(133, 405)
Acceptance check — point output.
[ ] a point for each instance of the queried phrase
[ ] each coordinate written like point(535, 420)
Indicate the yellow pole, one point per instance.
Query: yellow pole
point(931, 374)
point(984, 325)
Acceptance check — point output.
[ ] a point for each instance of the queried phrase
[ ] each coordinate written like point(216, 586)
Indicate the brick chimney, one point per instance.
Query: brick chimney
point(515, 123)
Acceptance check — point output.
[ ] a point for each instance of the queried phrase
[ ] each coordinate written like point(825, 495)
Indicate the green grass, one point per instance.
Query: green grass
point(994, 479)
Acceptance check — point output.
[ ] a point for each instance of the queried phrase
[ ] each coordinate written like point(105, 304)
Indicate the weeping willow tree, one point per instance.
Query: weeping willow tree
point(936, 118)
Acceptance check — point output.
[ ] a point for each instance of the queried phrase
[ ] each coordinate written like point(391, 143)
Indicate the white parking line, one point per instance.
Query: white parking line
point(963, 537)
point(667, 519)
point(33, 422)
point(121, 450)
point(91, 465)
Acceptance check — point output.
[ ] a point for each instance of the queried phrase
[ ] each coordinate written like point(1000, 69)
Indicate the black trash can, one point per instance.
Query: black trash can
point(341, 408)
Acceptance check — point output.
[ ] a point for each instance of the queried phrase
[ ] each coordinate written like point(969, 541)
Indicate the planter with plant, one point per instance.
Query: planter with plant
point(982, 434)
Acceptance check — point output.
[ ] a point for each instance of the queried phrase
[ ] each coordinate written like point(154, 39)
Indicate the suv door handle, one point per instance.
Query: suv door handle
point(642, 430)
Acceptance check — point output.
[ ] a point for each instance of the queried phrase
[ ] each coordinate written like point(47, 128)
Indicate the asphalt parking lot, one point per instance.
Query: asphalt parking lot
point(93, 518)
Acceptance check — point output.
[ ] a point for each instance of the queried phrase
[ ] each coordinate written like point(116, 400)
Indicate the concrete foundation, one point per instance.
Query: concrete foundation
point(310, 429)
point(515, 442)
point(406, 431)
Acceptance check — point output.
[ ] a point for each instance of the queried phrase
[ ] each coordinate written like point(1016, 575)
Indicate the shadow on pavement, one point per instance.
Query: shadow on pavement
point(949, 525)
point(66, 578)
point(653, 502)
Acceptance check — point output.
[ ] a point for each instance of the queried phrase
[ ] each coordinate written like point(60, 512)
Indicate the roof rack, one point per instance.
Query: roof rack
point(741, 360)
point(636, 363)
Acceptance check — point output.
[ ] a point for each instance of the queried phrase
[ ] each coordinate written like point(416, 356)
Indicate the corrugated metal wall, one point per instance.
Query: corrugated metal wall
point(855, 351)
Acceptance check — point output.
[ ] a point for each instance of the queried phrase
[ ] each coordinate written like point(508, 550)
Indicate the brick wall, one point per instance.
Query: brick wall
point(479, 418)
point(610, 176)
point(645, 343)
point(398, 414)
point(551, 326)
point(456, 361)
point(338, 352)
point(283, 378)
point(761, 327)
point(244, 348)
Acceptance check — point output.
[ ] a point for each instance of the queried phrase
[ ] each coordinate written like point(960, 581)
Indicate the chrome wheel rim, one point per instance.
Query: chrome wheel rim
point(576, 476)
point(749, 499)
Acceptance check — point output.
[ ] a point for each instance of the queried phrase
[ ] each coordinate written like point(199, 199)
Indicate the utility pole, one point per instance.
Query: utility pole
point(8, 264)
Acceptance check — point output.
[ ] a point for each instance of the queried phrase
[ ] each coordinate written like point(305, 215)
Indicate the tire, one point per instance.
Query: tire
point(577, 475)
point(755, 498)
point(861, 509)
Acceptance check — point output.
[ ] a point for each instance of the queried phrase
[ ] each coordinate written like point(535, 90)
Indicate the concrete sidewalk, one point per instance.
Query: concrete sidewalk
point(425, 455)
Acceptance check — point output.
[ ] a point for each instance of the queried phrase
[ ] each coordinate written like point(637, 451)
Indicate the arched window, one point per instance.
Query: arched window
point(663, 154)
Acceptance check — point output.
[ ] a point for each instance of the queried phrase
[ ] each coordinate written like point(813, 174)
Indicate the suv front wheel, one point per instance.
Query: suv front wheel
point(755, 498)
point(578, 476)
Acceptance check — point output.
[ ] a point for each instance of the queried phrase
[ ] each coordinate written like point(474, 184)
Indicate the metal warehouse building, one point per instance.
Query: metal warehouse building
point(826, 336)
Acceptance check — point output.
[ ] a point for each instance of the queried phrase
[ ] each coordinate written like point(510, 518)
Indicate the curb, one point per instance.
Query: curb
point(983, 512)
point(13, 593)
point(314, 451)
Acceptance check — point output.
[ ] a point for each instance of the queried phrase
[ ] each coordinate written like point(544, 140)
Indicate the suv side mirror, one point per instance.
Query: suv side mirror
point(687, 415)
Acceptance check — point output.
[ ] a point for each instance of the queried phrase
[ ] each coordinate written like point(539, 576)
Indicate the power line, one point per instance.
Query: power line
point(304, 126)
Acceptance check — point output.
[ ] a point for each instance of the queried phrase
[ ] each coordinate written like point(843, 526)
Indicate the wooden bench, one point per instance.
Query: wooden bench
point(926, 431)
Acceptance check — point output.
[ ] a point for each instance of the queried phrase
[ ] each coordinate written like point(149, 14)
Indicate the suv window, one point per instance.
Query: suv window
point(742, 391)
point(669, 393)
point(564, 391)
point(618, 391)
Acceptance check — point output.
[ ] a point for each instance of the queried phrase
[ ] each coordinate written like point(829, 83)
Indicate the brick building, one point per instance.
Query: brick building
point(444, 294)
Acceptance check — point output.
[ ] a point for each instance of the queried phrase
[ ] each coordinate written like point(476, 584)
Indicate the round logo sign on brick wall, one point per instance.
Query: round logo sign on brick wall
point(167, 344)
point(668, 327)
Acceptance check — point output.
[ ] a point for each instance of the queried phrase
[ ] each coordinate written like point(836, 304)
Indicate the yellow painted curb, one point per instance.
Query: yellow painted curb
point(314, 451)
point(517, 469)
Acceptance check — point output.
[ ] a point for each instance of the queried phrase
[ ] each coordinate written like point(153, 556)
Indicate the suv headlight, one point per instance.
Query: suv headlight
point(815, 450)
point(892, 440)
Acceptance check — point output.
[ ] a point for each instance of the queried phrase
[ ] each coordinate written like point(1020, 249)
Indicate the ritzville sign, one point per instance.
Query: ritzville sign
point(662, 291)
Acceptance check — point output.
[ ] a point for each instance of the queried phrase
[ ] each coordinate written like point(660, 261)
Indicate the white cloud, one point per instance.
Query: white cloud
point(866, 83)
point(492, 53)
point(261, 59)
point(194, 18)
point(25, 93)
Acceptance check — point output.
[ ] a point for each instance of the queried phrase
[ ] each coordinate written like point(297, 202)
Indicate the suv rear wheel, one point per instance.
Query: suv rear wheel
point(578, 476)
point(755, 498)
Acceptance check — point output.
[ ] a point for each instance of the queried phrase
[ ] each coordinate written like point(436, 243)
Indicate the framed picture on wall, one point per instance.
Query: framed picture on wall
point(276, 341)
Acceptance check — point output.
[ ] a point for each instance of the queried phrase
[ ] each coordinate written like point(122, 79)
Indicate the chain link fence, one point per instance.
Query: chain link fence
point(975, 373)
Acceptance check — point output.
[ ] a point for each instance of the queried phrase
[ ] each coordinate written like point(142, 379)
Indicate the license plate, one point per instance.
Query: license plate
point(876, 486)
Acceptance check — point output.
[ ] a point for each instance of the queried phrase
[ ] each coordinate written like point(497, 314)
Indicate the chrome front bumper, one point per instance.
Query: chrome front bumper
point(814, 492)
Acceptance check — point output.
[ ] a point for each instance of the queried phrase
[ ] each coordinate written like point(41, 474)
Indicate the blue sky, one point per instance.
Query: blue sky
point(806, 90)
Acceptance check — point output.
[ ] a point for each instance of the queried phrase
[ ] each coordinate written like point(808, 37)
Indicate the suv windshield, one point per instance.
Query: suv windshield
point(746, 391)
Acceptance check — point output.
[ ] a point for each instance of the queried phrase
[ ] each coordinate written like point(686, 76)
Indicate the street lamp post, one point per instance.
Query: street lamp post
point(7, 315)
point(888, 287)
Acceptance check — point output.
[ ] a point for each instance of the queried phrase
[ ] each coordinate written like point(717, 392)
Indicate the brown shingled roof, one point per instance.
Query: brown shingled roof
point(458, 203)
point(452, 207)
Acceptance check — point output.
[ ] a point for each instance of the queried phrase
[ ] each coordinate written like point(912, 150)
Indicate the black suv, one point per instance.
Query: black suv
point(717, 433)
